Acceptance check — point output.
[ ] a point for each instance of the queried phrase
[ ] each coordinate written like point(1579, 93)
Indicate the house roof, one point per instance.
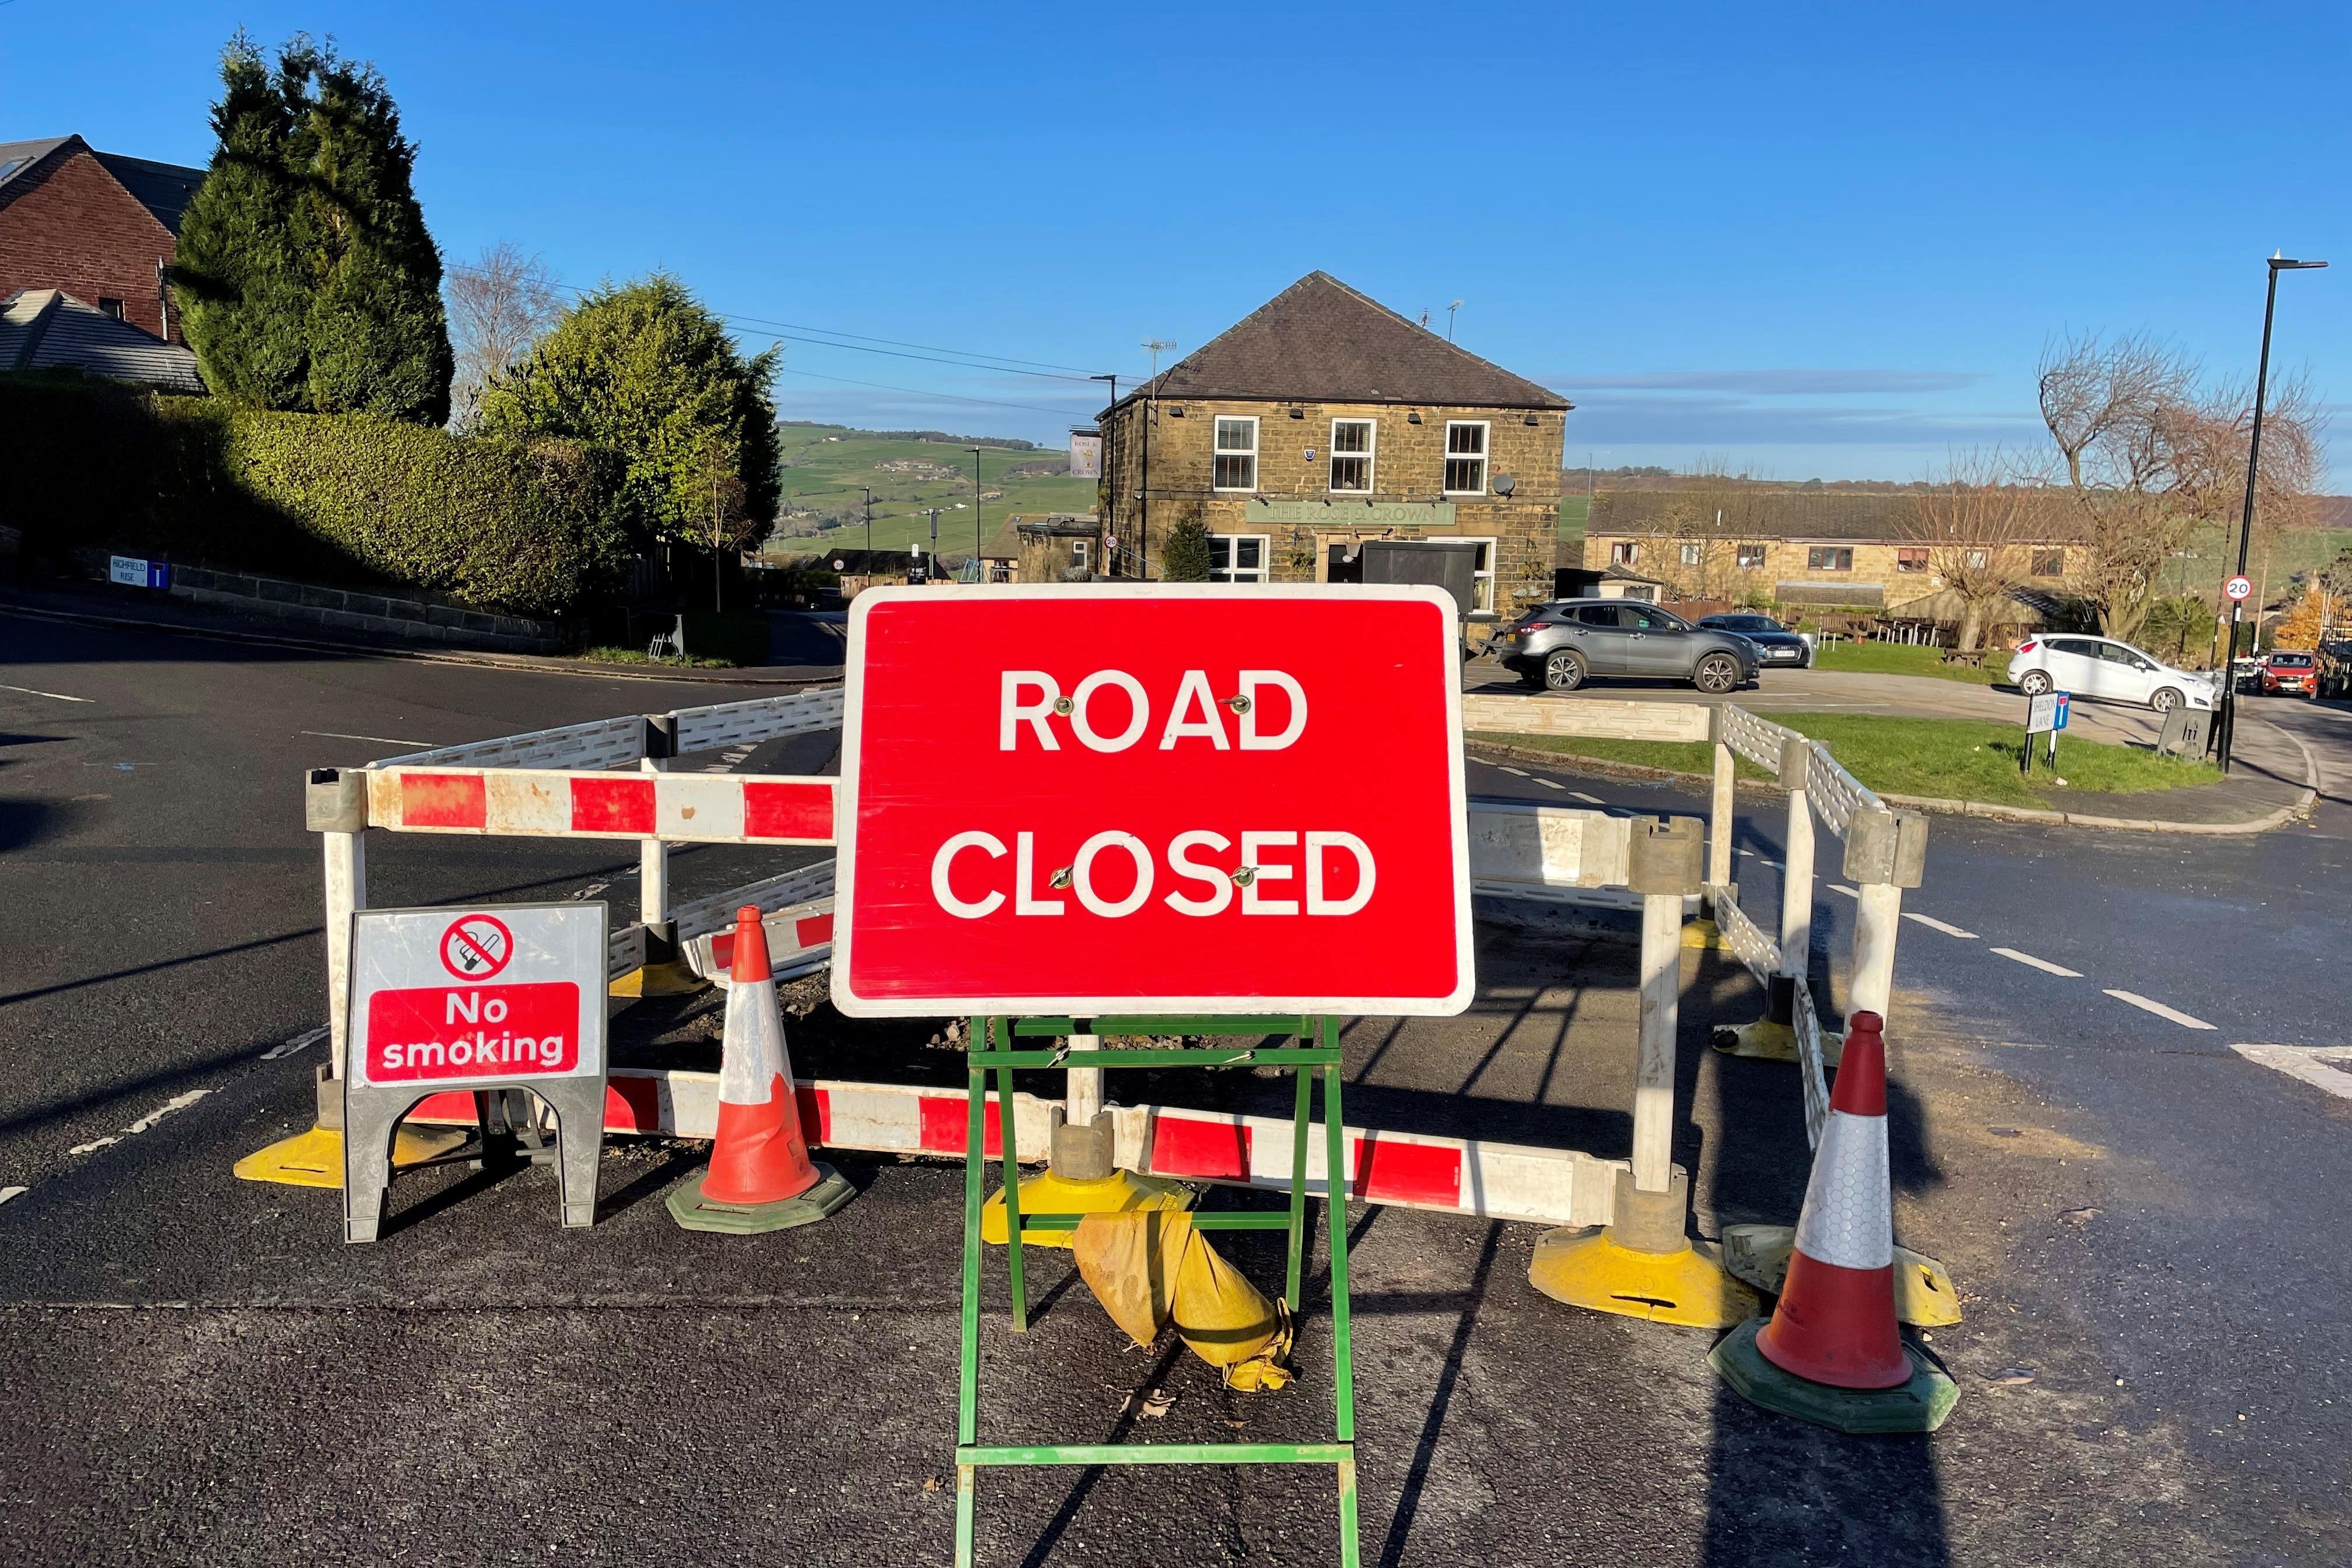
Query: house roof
point(47, 329)
point(1319, 340)
point(163, 189)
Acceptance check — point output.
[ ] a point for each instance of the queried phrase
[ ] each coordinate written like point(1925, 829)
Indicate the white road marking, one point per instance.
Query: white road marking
point(1842, 888)
point(2305, 1062)
point(381, 740)
point(2043, 965)
point(56, 696)
point(1587, 799)
point(8, 1193)
point(299, 1042)
point(1932, 924)
point(1551, 783)
point(2159, 1010)
point(1515, 773)
point(177, 1102)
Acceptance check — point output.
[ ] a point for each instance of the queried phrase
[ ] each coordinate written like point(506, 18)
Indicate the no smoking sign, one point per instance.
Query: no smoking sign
point(477, 947)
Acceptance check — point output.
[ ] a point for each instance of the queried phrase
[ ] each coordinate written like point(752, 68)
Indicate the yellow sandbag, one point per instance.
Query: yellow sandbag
point(1151, 1268)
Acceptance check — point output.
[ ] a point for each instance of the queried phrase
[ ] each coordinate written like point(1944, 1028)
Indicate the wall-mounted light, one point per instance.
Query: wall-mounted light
point(1412, 419)
point(1298, 413)
point(1531, 419)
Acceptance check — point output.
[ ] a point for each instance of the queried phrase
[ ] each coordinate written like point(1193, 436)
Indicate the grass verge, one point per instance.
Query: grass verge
point(1944, 759)
point(1895, 658)
point(636, 655)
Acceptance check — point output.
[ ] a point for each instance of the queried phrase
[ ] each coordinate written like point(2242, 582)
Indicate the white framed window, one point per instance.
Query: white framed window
point(1751, 558)
point(1625, 553)
point(1482, 575)
point(1465, 457)
point(1235, 459)
point(1692, 552)
point(1352, 441)
point(1238, 557)
point(1082, 552)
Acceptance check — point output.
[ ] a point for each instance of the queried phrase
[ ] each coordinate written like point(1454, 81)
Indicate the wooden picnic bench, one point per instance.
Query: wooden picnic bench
point(1974, 660)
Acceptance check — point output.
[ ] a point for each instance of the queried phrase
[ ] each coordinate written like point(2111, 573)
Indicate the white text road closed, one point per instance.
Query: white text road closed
point(1091, 799)
point(458, 996)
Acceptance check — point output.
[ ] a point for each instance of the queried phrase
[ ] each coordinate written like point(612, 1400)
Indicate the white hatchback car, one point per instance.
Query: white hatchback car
point(2100, 666)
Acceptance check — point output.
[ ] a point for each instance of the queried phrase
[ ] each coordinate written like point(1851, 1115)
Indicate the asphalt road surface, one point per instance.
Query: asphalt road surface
point(2144, 1221)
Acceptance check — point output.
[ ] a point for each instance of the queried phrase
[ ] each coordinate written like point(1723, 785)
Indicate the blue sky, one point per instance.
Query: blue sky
point(1797, 239)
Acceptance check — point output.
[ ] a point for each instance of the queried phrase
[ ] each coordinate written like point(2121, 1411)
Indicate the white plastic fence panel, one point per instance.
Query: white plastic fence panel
point(599, 743)
point(1757, 739)
point(1521, 849)
point(703, 916)
point(1759, 952)
point(1835, 793)
point(761, 719)
point(1811, 1075)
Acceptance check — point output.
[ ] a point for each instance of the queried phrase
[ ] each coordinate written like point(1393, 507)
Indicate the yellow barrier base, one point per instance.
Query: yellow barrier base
point(315, 1159)
point(1121, 1191)
point(1762, 1040)
point(1925, 1296)
point(670, 979)
point(1584, 1267)
point(1703, 934)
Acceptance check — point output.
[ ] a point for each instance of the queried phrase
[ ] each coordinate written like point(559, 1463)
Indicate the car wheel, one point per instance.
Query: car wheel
point(2034, 683)
point(1563, 671)
point(2164, 700)
point(1716, 674)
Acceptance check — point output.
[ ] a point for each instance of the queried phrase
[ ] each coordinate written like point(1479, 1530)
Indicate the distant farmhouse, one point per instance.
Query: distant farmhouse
point(1326, 439)
point(1807, 550)
point(86, 239)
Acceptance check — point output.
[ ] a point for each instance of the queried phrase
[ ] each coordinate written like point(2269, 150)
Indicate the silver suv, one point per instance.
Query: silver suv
point(1559, 646)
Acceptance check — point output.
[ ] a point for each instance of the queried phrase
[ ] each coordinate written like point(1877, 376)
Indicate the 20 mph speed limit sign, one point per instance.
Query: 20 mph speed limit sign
point(2239, 589)
point(1091, 799)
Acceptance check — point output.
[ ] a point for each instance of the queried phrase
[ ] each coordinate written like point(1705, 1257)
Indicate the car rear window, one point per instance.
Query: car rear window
point(2290, 660)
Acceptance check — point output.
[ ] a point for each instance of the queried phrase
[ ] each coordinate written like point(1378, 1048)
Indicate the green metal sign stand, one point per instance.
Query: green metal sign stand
point(992, 1048)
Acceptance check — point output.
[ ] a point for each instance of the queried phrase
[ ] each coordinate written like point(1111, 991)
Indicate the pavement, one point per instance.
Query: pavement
point(2141, 1217)
point(2269, 775)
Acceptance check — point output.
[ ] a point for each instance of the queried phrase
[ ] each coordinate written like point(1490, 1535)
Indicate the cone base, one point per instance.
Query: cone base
point(315, 1159)
point(694, 1212)
point(1925, 1296)
point(1918, 1405)
point(1763, 1041)
point(1703, 934)
point(668, 979)
point(1050, 1192)
point(1584, 1267)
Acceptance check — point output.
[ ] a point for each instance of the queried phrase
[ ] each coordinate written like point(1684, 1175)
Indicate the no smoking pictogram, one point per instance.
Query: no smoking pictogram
point(477, 947)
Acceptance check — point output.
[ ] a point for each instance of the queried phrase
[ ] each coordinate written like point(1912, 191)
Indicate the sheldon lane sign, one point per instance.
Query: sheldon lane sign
point(1092, 799)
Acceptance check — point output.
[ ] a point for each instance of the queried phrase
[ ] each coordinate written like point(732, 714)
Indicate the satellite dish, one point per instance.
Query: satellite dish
point(1505, 484)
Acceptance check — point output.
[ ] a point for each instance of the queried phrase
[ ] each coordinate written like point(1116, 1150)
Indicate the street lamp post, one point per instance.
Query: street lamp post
point(1110, 471)
point(975, 517)
point(2229, 725)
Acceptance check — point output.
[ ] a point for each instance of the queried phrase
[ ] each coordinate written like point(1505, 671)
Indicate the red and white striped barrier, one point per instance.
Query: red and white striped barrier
point(1414, 1170)
point(706, 808)
point(800, 938)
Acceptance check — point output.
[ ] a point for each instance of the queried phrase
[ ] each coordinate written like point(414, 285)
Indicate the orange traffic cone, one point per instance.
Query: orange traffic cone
point(1832, 1353)
point(760, 1177)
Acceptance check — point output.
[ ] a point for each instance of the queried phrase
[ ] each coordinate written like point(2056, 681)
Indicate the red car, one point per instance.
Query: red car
point(2291, 675)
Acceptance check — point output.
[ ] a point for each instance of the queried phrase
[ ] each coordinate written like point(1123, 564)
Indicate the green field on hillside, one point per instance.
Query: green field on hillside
point(826, 466)
point(2212, 554)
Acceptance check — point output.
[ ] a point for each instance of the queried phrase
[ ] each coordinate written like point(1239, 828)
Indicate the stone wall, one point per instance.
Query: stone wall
point(409, 617)
point(1408, 479)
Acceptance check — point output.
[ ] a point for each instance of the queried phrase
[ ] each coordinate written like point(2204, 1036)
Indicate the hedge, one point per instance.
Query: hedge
point(527, 526)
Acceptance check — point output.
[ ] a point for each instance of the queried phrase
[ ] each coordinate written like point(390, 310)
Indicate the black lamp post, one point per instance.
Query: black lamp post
point(976, 540)
point(2229, 725)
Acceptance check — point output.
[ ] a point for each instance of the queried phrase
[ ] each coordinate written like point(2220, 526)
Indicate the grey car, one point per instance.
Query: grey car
point(1560, 646)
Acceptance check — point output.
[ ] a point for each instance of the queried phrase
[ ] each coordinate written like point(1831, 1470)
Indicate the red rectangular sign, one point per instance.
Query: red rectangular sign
point(438, 1032)
point(1096, 798)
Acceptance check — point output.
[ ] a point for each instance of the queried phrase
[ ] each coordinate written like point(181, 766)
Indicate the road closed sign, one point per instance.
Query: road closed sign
point(1092, 799)
point(461, 997)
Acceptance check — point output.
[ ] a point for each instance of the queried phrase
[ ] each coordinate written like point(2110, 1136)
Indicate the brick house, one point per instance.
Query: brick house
point(97, 226)
point(1323, 430)
point(1803, 550)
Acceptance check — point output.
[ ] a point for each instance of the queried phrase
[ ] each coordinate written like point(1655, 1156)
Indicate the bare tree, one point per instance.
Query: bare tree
point(2152, 454)
point(498, 306)
point(1978, 524)
point(726, 522)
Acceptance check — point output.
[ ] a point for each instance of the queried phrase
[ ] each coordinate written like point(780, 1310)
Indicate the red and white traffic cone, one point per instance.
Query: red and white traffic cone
point(1832, 1352)
point(760, 1177)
